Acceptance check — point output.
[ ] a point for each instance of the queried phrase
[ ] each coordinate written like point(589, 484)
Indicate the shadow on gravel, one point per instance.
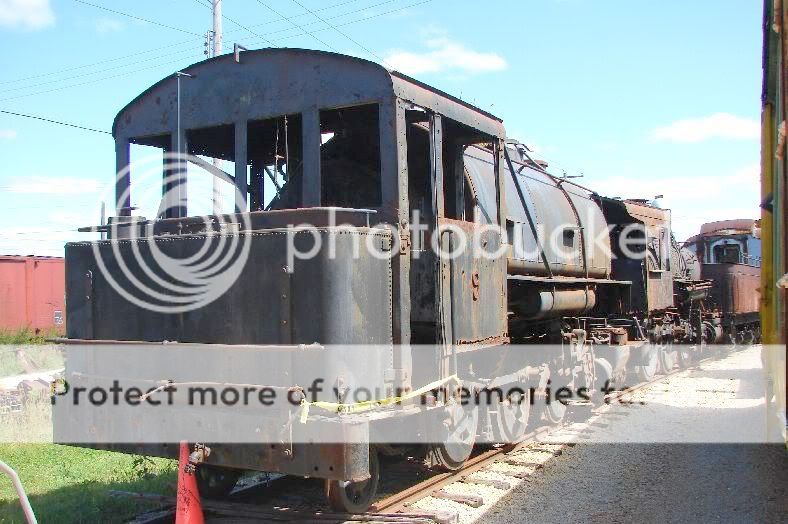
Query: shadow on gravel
point(654, 483)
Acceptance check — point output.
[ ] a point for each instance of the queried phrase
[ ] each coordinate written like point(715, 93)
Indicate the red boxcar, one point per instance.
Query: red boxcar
point(32, 293)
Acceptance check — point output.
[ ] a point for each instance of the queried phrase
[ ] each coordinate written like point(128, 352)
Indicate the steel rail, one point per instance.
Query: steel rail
point(398, 501)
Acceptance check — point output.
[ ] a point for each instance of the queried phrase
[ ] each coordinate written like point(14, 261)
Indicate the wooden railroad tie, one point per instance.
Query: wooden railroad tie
point(438, 516)
point(553, 452)
point(522, 475)
point(497, 484)
point(522, 463)
point(474, 501)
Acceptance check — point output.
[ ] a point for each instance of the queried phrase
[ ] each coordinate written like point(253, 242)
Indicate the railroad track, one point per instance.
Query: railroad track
point(399, 506)
point(433, 486)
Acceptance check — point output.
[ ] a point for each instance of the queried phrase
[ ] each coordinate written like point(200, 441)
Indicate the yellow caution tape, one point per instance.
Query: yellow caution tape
point(359, 407)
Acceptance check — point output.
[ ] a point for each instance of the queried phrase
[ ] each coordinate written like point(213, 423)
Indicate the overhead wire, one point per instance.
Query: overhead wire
point(191, 41)
point(182, 53)
point(51, 121)
point(91, 81)
point(362, 46)
point(139, 18)
point(330, 27)
point(277, 13)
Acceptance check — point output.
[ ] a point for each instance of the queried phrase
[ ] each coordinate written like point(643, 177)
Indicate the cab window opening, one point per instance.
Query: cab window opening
point(275, 151)
point(350, 157)
point(458, 193)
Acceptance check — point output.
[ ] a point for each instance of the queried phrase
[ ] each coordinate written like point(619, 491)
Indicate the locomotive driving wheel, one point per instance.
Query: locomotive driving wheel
point(511, 416)
point(668, 357)
point(458, 429)
point(553, 411)
point(684, 355)
point(604, 379)
point(355, 496)
point(646, 370)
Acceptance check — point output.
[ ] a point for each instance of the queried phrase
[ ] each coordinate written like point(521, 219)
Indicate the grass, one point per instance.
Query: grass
point(65, 484)
point(26, 336)
point(69, 484)
point(32, 424)
point(18, 359)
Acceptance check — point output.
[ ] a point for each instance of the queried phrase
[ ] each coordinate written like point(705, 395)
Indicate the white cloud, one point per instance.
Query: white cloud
point(54, 185)
point(7, 134)
point(693, 200)
point(108, 25)
point(26, 14)
point(751, 173)
point(718, 125)
point(444, 54)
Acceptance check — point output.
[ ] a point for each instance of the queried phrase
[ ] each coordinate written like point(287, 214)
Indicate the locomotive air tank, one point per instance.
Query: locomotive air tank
point(559, 243)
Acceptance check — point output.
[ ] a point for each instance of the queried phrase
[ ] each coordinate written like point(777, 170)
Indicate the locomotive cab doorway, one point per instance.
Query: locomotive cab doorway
point(458, 294)
point(458, 256)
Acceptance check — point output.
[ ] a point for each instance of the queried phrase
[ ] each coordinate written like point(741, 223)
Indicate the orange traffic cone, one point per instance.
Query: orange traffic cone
point(188, 509)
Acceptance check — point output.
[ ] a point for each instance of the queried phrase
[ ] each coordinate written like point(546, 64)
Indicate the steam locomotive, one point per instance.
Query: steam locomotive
point(594, 288)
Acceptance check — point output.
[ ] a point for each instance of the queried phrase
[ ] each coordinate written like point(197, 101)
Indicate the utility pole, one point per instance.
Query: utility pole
point(217, 27)
point(216, 50)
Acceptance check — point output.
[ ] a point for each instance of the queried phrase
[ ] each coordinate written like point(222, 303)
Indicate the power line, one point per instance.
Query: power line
point(96, 72)
point(296, 25)
point(191, 41)
point(5, 235)
point(138, 18)
point(83, 66)
point(92, 81)
point(340, 32)
point(334, 27)
point(55, 121)
point(326, 8)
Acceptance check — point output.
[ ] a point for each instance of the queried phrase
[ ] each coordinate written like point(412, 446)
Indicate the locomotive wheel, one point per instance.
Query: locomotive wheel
point(604, 379)
point(667, 357)
point(511, 418)
point(355, 497)
point(216, 481)
point(646, 371)
point(461, 424)
point(554, 412)
point(684, 355)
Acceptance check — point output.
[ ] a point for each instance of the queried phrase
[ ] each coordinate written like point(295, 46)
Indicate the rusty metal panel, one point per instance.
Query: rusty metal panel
point(32, 293)
point(477, 292)
point(649, 215)
point(736, 287)
point(342, 299)
point(659, 290)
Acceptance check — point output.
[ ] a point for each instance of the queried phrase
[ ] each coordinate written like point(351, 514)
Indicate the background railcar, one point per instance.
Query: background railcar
point(729, 253)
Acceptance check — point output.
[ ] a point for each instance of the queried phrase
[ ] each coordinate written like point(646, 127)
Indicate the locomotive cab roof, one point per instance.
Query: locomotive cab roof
point(276, 81)
point(274, 110)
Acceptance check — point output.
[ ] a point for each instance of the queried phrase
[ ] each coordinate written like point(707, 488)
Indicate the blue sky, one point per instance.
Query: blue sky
point(641, 97)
